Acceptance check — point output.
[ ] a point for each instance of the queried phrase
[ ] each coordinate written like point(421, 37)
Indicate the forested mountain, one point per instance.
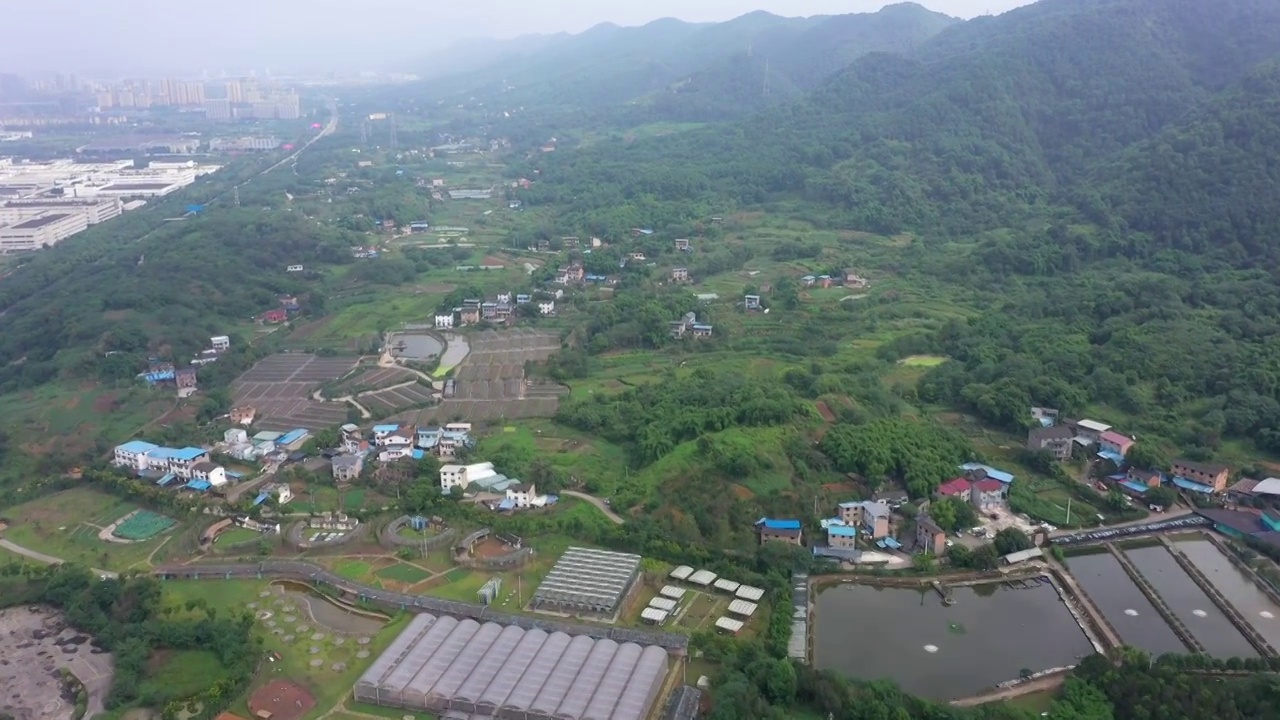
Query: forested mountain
point(1098, 175)
point(678, 62)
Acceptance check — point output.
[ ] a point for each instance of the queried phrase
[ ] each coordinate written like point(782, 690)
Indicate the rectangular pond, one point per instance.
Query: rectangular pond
point(1189, 603)
point(991, 634)
point(1125, 607)
point(1254, 605)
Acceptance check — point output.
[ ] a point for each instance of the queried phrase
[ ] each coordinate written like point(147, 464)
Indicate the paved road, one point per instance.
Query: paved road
point(46, 559)
point(1048, 682)
point(604, 507)
point(1152, 518)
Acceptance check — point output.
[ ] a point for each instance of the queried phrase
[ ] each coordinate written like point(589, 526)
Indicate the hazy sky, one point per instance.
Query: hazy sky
point(133, 36)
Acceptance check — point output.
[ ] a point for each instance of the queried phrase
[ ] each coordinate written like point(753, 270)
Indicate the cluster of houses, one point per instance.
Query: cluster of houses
point(161, 372)
point(1063, 439)
point(848, 278)
point(688, 326)
point(288, 306)
point(187, 467)
point(269, 447)
point(390, 443)
point(501, 309)
point(509, 493)
point(858, 523)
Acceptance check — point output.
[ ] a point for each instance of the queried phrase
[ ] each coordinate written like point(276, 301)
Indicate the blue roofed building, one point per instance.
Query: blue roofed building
point(199, 485)
point(293, 439)
point(987, 471)
point(842, 536)
point(771, 529)
point(381, 431)
point(133, 455)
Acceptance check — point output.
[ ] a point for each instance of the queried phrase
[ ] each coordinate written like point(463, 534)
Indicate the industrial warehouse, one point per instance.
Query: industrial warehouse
point(441, 664)
point(591, 582)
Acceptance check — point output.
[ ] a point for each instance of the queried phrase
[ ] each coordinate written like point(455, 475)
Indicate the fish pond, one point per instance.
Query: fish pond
point(991, 634)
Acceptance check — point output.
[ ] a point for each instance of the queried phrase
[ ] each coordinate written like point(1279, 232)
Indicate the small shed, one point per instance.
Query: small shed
point(729, 625)
point(702, 577)
point(654, 615)
point(682, 573)
point(671, 591)
point(727, 585)
point(662, 603)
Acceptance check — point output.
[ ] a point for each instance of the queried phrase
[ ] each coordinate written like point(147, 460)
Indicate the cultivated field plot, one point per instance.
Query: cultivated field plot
point(491, 383)
point(281, 388)
point(373, 378)
point(396, 399)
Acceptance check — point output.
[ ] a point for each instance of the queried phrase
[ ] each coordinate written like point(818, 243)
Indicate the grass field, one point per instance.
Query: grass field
point(403, 572)
point(235, 536)
point(926, 361)
point(353, 569)
point(66, 525)
point(73, 416)
point(328, 686)
point(181, 673)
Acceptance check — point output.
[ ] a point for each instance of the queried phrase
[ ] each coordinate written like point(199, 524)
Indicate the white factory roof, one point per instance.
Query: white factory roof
point(743, 608)
point(1023, 556)
point(1094, 425)
point(662, 603)
point(727, 585)
point(729, 624)
point(682, 573)
point(1270, 486)
point(672, 592)
point(746, 592)
point(654, 615)
point(702, 577)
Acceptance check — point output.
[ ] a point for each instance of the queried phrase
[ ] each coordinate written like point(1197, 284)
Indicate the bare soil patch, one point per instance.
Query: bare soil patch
point(284, 699)
point(742, 493)
point(490, 547)
point(106, 402)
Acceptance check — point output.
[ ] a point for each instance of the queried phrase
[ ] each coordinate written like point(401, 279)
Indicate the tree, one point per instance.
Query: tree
point(1011, 540)
point(1147, 456)
point(1162, 496)
point(923, 562)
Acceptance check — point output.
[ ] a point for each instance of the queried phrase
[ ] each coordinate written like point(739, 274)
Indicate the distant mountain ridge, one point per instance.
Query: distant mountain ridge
point(685, 62)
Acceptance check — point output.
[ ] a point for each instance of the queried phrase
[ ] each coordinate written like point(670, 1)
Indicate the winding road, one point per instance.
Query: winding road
point(602, 505)
point(46, 559)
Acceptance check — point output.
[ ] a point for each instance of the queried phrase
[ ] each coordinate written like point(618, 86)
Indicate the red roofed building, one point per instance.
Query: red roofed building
point(955, 487)
point(987, 494)
point(277, 315)
point(1113, 442)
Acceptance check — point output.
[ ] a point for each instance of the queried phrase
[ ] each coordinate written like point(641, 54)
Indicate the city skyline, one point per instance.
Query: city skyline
point(149, 37)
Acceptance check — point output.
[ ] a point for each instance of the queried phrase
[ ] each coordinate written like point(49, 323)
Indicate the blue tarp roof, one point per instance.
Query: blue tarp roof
point(507, 504)
point(992, 473)
point(1192, 485)
point(292, 436)
point(842, 531)
point(166, 479)
point(1046, 422)
point(158, 376)
point(234, 474)
point(186, 453)
point(779, 524)
point(138, 446)
point(1135, 486)
point(889, 543)
point(1114, 457)
point(262, 497)
point(200, 485)
point(385, 428)
point(417, 454)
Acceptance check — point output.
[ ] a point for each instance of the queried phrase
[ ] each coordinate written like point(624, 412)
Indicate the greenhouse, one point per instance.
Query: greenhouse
point(583, 580)
point(440, 665)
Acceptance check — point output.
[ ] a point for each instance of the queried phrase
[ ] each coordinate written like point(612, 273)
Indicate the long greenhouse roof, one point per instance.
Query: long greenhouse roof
point(442, 662)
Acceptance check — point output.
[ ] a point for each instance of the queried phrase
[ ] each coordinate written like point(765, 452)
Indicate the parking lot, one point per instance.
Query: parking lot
point(280, 388)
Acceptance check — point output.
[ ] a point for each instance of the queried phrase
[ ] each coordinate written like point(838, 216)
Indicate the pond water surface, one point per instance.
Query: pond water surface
point(991, 634)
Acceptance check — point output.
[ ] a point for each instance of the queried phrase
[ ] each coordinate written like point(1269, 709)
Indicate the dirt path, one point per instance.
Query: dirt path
point(46, 559)
point(604, 507)
point(1048, 682)
point(344, 399)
